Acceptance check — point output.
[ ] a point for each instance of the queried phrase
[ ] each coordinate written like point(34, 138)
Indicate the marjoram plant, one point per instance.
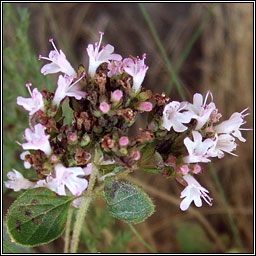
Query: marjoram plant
point(92, 156)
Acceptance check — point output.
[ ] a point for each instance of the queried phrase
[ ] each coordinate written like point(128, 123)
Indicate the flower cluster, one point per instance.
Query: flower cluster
point(105, 101)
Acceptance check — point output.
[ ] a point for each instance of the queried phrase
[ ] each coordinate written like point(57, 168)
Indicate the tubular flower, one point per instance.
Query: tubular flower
point(198, 150)
point(200, 110)
point(193, 192)
point(37, 139)
point(67, 177)
point(97, 57)
point(17, 182)
point(232, 125)
point(66, 88)
point(34, 103)
point(137, 69)
point(173, 118)
point(59, 63)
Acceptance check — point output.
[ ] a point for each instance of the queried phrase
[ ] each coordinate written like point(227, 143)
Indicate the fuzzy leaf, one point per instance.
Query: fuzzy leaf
point(37, 217)
point(126, 201)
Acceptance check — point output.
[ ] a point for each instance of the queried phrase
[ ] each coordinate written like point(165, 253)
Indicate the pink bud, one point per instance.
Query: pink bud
point(136, 155)
point(72, 137)
point(116, 95)
point(171, 161)
point(104, 107)
point(182, 169)
point(196, 169)
point(123, 141)
point(145, 106)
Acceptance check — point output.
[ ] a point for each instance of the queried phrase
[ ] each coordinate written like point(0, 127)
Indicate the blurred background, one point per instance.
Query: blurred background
point(191, 47)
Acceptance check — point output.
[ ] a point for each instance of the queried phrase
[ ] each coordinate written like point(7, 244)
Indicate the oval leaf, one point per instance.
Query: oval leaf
point(126, 201)
point(37, 217)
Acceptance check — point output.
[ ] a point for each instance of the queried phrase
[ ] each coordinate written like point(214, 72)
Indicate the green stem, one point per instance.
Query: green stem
point(162, 51)
point(226, 206)
point(82, 211)
point(141, 239)
point(68, 228)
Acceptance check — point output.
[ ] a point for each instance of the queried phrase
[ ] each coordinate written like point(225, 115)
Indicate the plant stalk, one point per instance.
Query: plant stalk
point(82, 211)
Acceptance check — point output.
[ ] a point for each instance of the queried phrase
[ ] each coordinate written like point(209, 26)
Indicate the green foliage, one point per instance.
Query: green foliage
point(120, 241)
point(20, 66)
point(11, 247)
point(126, 201)
point(192, 238)
point(37, 217)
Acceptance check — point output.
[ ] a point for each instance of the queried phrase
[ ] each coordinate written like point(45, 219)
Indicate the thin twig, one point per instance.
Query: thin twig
point(141, 239)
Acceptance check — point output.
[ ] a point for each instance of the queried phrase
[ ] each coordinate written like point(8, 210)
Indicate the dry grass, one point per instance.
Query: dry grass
point(221, 60)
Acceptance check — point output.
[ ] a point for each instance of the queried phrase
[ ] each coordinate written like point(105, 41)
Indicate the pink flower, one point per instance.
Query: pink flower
point(67, 177)
point(145, 106)
point(136, 155)
point(193, 192)
point(116, 95)
point(200, 110)
point(123, 141)
point(32, 104)
point(173, 118)
point(223, 143)
point(198, 150)
point(58, 63)
point(96, 57)
point(232, 125)
point(17, 182)
point(37, 139)
point(66, 88)
point(137, 69)
point(115, 68)
point(104, 107)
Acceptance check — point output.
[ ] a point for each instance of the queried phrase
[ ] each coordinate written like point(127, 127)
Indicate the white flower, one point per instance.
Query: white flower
point(198, 150)
point(137, 69)
point(193, 192)
point(32, 104)
point(200, 110)
point(65, 88)
point(17, 182)
point(58, 63)
point(27, 165)
point(232, 125)
point(37, 139)
point(67, 177)
point(222, 143)
point(97, 57)
point(173, 118)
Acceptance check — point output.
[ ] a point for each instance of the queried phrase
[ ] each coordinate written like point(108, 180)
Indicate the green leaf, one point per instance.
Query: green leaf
point(11, 247)
point(192, 238)
point(37, 217)
point(126, 201)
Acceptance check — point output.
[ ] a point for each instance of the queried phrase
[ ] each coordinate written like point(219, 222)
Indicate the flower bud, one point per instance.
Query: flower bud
point(72, 138)
point(145, 106)
point(116, 95)
point(123, 141)
point(85, 140)
point(136, 155)
point(196, 169)
point(182, 169)
point(104, 107)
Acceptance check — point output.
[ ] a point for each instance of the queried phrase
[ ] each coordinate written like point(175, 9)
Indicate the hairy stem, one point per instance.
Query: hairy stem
point(68, 228)
point(82, 211)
